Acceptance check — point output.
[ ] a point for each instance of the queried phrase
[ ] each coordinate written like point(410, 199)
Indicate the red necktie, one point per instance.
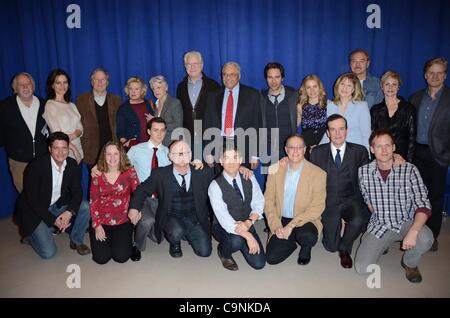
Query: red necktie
point(154, 166)
point(229, 115)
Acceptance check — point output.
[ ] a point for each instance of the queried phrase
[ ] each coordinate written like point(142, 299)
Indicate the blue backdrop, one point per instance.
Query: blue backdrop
point(146, 38)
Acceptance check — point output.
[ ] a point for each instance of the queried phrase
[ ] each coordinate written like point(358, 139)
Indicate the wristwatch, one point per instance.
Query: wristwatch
point(253, 221)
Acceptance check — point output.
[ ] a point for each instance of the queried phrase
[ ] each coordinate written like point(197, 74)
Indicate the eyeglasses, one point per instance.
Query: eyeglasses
point(180, 154)
point(226, 75)
point(190, 65)
point(295, 148)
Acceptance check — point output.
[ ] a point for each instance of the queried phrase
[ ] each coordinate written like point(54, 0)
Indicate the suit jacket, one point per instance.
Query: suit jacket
point(33, 203)
point(248, 114)
point(355, 156)
point(198, 111)
point(90, 138)
point(172, 113)
point(309, 199)
point(15, 135)
point(160, 182)
point(439, 131)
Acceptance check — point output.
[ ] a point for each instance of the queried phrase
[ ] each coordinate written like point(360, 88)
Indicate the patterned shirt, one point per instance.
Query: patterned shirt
point(314, 117)
point(395, 200)
point(109, 202)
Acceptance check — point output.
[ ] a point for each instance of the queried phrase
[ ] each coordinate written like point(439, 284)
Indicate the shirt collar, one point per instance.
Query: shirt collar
point(55, 166)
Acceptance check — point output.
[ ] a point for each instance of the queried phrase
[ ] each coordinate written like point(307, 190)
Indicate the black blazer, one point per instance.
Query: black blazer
point(15, 135)
point(355, 156)
point(160, 182)
point(439, 132)
point(248, 114)
point(402, 125)
point(33, 203)
point(198, 112)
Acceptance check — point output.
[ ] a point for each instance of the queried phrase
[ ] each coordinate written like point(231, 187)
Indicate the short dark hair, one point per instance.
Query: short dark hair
point(230, 147)
point(156, 120)
point(294, 136)
point(336, 117)
point(359, 50)
point(274, 65)
point(380, 132)
point(57, 135)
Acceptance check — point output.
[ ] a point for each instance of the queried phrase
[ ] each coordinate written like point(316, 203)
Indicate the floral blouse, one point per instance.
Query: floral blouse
point(109, 202)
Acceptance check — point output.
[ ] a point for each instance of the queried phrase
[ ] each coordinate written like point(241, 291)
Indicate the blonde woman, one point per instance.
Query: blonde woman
point(349, 102)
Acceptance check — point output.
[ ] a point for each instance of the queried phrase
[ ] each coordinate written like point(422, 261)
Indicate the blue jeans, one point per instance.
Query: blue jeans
point(42, 239)
point(231, 243)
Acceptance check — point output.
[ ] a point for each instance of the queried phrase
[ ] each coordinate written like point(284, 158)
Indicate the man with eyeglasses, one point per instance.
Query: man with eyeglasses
point(340, 160)
point(192, 92)
point(294, 202)
point(183, 209)
point(98, 110)
point(232, 107)
point(398, 200)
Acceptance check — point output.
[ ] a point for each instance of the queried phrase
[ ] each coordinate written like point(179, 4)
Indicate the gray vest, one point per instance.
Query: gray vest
point(239, 210)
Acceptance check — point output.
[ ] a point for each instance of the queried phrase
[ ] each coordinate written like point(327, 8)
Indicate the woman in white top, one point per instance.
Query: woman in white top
point(348, 102)
point(62, 115)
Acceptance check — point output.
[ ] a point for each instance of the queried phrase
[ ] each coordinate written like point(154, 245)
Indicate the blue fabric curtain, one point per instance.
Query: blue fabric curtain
point(146, 38)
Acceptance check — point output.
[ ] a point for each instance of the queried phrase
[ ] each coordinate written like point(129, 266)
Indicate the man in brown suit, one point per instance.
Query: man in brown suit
point(98, 115)
point(294, 202)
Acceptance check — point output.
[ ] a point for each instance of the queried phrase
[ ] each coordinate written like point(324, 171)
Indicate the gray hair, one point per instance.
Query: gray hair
point(159, 79)
point(14, 81)
point(99, 69)
point(198, 54)
point(235, 64)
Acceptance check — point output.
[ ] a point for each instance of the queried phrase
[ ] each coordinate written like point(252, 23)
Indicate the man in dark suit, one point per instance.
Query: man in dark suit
point(192, 92)
point(341, 160)
point(51, 198)
point(23, 131)
point(233, 110)
point(433, 138)
point(183, 210)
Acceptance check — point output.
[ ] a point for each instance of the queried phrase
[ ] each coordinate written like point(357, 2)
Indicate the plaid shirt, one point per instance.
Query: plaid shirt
point(395, 201)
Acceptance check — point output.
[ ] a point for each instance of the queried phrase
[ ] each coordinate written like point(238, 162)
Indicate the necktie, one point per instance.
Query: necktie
point(154, 159)
point(183, 183)
point(229, 115)
point(337, 159)
point(275, 102)
point(236, 188)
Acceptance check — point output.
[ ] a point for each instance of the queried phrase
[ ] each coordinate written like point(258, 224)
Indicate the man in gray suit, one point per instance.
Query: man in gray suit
point(433, 138)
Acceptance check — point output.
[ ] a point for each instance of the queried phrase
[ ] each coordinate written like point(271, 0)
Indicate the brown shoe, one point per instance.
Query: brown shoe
point(228, 263)
point(435, 246)
point(346, 259)
point(412, 274)
point(82, 249)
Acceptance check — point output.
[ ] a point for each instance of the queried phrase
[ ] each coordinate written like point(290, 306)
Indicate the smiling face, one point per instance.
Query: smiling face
point(274, 79)
point(312, 90)
point(135, 91)
point(390, 87)
point(231, 161)
point(59, 150)
point(60, 86)
point(112, 157)
point(24, 87)
point(230, 76)
point(180, 154)
point(99, 83)
point(346, 88)
point(337, 132)
point(159, 90)
point(194, 66)
point(359, 64)
point(383, 148)
point(435, 76)
point(295, 149)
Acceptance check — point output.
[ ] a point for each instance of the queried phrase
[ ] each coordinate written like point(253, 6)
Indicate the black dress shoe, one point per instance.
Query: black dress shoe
point(228, 263)
point(135, 254)
point(303, 261)
point(175, 250)
point(304, 257)
point(346, 259)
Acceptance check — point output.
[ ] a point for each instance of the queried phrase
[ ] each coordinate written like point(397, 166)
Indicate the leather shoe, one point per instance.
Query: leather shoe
point(228, 263)
point(175, 250)
point(435, 246)
point(346, 259)
point(304, 257)
point(135, 254)
point(412, 273)
point(82, 249)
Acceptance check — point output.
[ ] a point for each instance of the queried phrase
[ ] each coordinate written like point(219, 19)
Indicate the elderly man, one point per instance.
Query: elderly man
point(98, 110)
point(23, 131)
point(294, 201)
point(397, 198)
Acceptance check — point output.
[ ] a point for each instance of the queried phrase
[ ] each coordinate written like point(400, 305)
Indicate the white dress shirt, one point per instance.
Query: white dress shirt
point(57, 177)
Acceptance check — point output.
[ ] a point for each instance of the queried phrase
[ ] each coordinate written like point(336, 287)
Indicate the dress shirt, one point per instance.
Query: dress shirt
point(29, 114)
point(187, 178)
point(141, 156)
point(194, 89)
point(290, 190)
point(57, 177)
point(235, 91)
point(334, 152)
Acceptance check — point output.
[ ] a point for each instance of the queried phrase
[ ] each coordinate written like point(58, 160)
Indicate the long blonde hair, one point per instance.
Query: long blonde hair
point(303, 99)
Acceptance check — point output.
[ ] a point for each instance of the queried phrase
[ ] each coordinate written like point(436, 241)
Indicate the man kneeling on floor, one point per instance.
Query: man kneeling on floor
point(52, 198)
point(237, 204)
point(397, 198)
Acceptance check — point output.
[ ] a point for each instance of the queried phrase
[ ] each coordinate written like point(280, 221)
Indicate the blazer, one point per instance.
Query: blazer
point(402, 125)
point(33, 203)
point(355, 156)
point(291, 96)
point(172, 113)
point(15, 135)
point(160, 182)
point(198, 111)
point(309, 198)
point(128, 125)
point(248, 114)
point(439, 131)
point(90, 138)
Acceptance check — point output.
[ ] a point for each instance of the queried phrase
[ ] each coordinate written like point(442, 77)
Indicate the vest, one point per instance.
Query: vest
point(278, 117)
point(182, 203)
point(239, 210)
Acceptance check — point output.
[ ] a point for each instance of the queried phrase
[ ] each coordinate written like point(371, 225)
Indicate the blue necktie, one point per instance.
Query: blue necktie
point(236, 188)
point(337, 159)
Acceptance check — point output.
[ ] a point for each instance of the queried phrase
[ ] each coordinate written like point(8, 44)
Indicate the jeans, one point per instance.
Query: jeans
point(42, 239)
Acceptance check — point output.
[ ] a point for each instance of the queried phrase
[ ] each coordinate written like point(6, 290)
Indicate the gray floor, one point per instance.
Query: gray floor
point(24, 274)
